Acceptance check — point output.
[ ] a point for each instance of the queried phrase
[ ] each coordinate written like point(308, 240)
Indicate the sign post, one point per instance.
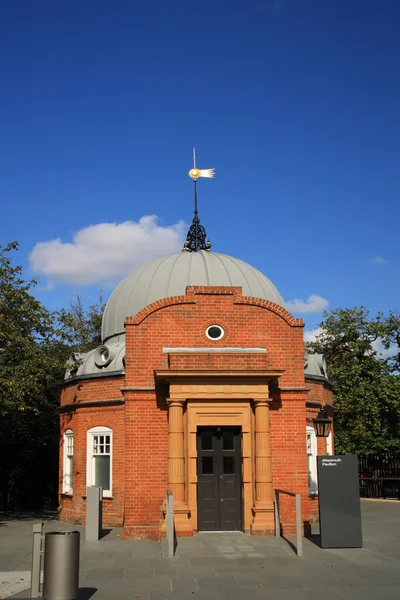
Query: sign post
point(339, 502)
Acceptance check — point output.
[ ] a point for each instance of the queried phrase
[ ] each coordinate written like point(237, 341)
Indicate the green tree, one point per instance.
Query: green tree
point(27, 331)
point(34, 347)
point(390, 336)
point(366, 389)
point(81, 327)
point(29, 373)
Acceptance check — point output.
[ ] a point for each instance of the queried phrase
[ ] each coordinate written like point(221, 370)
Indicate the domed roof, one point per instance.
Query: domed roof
point(170, 275)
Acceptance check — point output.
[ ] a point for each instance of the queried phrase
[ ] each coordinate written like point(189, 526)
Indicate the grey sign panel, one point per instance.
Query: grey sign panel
point(339, 502)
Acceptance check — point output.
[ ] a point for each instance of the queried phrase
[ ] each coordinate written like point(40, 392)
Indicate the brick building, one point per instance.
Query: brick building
point(202, 386)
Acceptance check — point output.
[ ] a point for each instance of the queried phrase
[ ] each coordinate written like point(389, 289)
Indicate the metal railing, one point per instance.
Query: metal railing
point(299, 539)
point(379, 475)
point(170, 524)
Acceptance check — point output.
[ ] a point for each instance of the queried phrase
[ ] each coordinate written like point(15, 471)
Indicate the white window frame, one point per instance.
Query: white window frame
point(312, 460)
point(329, 445)
point(90, 468)
point(68, 465)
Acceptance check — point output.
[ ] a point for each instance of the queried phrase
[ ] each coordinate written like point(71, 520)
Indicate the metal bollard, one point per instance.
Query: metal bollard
point(94, 513)
point(61, 565)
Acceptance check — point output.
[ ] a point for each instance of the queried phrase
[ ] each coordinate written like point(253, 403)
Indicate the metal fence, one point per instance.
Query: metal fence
point(379, 475)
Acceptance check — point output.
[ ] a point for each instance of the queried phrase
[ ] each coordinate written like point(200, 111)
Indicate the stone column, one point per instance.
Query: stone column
point(176, 454)
point(176, 464)
point(264, 505)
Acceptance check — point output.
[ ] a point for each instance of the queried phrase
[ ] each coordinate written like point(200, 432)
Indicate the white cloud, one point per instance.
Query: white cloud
point(313, 304)
point(106, 251)
point(384, 352)
point(310, 335)
point(378, 260)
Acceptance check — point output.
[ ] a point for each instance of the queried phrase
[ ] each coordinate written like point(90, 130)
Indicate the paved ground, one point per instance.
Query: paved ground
point(224, 566)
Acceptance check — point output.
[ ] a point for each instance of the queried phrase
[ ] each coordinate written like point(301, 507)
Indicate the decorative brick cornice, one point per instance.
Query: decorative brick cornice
point(318, 403)
point(319, 379)
point(91, 376)
point(238, 298)
point(93, 404)
point(275, 308)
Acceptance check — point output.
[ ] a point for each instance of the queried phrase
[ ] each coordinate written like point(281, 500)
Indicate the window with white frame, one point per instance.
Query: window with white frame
point(99, 458)
point(329, 445)
point(68, 479)
point(312, 460)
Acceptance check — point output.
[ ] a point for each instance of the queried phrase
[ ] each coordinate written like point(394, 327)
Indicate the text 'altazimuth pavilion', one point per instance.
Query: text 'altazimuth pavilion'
point(201, 386)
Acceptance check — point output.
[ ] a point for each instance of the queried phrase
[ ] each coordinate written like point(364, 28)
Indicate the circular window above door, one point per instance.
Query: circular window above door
point(215, 332)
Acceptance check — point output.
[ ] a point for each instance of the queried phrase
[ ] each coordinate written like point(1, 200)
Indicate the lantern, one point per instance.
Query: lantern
point(322, 424)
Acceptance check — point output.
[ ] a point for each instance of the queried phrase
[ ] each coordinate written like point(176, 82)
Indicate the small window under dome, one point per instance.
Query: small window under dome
point(215, 332)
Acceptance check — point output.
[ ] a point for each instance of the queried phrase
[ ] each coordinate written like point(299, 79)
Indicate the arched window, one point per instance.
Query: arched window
point(312, 461)
point(99, 458)
point(68, 462)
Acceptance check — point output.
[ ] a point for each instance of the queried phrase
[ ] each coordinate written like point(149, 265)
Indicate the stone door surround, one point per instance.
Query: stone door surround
point(214, 398)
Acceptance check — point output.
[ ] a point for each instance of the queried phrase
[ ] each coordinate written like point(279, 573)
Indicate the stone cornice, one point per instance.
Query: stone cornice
point(89, 376)
point(213, 350)
point(168, 374)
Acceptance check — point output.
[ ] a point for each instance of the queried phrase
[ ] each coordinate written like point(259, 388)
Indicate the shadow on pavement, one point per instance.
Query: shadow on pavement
point(86, 592)
point(291, 544)
point(27, 515)
point(315, 539)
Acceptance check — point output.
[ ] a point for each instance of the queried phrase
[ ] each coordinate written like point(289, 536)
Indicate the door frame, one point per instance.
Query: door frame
point(237, 413)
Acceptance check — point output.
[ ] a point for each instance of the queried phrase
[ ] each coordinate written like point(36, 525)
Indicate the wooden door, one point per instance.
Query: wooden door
point(219, 477)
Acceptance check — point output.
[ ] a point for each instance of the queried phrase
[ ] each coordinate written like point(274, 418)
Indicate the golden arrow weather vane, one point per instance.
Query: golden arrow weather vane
point(197, 239)
point(195, 173)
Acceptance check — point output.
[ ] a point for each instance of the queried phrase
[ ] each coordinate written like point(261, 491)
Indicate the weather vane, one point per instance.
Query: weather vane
point(196, 238)
point(195, 173)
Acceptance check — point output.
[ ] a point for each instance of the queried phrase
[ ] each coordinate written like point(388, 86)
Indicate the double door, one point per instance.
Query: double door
point(219, 477)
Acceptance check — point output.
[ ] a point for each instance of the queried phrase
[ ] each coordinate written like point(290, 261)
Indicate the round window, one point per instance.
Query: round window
point(102, 356)
point(215, 332)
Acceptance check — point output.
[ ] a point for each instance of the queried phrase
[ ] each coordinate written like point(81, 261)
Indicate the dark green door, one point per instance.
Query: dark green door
point(219, 478)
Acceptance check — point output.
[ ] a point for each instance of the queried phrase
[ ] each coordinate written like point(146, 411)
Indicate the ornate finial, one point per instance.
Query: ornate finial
point(196, 238)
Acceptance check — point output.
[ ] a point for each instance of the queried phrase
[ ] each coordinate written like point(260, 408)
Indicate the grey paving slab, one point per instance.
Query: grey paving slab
point(185, 584)
point(219, 584)
point(99, 574)
point(392, 593)
point(331, 593)
point(242, 595)
point(227, 566)
point(209, 595)
point(268, 594)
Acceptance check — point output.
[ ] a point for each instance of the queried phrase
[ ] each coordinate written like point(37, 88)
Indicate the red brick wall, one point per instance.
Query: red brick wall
point(320, 391)
point(91, 390)
point(146, 452)
point(141, 425)
point(289, 457)
point(80, 420)
point(182, 322)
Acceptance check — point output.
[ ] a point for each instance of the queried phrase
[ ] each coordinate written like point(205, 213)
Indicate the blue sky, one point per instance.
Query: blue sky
point(295, 103)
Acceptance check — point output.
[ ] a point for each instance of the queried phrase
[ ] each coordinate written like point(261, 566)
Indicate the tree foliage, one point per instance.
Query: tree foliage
point(34, 346)
point(81, 327)
point(366, 384)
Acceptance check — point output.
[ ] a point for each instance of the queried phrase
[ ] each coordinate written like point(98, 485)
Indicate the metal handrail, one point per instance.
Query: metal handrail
point(299, 539)
point(170, 524)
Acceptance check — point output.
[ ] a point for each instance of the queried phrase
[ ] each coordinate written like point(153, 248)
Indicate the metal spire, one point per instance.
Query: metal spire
point(196, 238)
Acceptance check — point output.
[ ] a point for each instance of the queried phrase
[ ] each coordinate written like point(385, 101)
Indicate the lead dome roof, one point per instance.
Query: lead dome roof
point(170, 275)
